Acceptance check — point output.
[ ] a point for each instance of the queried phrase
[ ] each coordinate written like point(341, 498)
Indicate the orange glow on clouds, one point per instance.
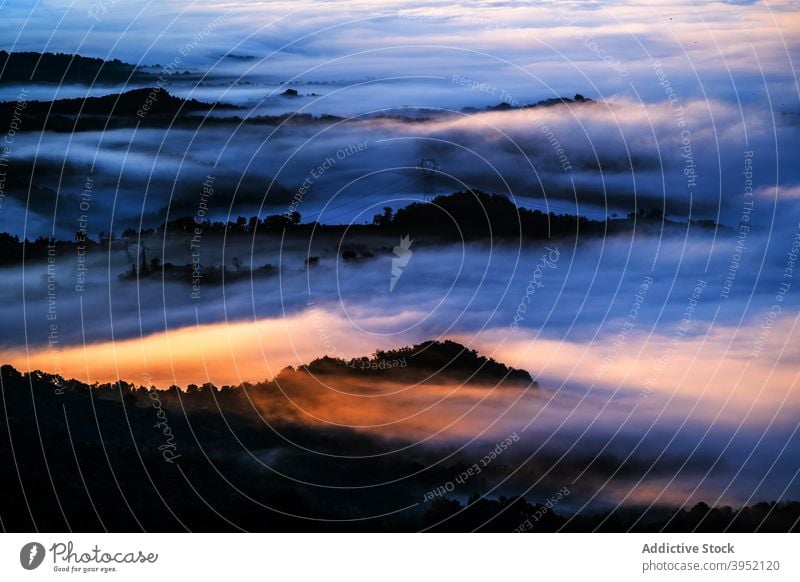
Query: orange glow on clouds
point(222, 353)
point(713, 376)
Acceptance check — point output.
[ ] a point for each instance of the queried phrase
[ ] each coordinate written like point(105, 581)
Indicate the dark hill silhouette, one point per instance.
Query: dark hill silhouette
point(427, 362)
point(476, 215)
point(552, 102)
point(149, 105)
point(60, 68)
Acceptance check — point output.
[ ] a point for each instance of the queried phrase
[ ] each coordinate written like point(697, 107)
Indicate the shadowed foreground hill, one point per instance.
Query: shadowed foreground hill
point(118, 457)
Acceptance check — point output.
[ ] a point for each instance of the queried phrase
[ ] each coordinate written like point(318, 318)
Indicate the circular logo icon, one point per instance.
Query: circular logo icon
point(31, 555)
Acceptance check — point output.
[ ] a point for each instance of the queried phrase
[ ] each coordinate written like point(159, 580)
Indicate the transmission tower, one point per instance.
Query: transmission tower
point(429, 168)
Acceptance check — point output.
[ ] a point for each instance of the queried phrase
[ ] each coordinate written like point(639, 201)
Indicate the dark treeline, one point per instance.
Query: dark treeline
point(60, 68)
point(156, 107)
point(552, 102)
point(121, 110)
point(434, 361)
point(14, 251)
point(463, 216)
point(148, 107)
